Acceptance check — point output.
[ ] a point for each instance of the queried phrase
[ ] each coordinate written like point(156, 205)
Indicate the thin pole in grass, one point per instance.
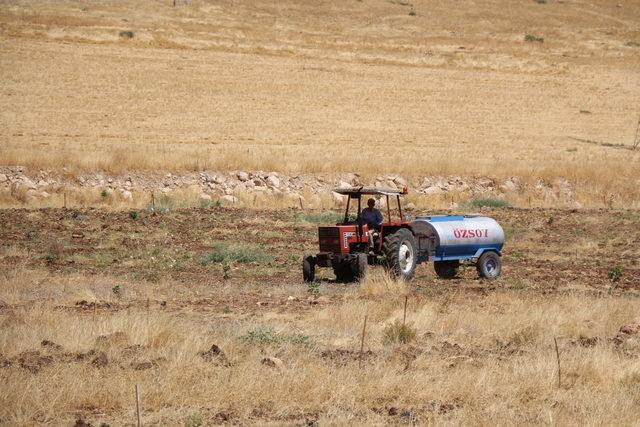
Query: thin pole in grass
point(301, 206)
point(364, 329)
point(404, 316)
point(138, 417)
point(558, 362)
point(153, 203)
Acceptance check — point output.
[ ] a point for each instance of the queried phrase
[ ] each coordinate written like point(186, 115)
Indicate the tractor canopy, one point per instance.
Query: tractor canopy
point(355, 192)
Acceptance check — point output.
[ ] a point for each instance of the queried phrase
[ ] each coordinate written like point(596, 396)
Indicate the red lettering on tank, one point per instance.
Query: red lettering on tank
point(462, 233)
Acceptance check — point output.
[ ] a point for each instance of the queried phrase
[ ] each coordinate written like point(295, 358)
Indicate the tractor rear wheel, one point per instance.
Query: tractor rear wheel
point(446, 269)
point(308, 268)
point(399, 250)
point(489, 265)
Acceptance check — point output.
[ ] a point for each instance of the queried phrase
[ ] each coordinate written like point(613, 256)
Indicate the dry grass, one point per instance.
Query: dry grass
point(219, 87)
point(475, 361)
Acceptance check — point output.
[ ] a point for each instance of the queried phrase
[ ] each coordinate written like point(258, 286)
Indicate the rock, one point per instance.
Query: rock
point(240, 188)
point(205, 197)
point(44, 195)
point(410, 207)
point(432, 190)
point(127, 195)
point(3, 178)
point(273, 362)
point(343, 184)
point(400, 182)
point(243, 176)
point(28, 183)
point(510, 185)
point(228, 199)
point(273, 181)
point(337, 198)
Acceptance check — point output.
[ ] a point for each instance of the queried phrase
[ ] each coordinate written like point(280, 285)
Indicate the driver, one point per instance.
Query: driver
point(373, 218)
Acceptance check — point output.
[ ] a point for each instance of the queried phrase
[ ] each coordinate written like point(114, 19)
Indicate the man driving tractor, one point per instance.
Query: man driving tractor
point(373, 218)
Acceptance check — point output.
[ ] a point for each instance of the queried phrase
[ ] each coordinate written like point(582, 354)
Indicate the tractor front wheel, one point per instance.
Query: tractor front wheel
point(446, 269)
point(361, 266)
point(344, 271)
point(399, 249)
point(309, 268)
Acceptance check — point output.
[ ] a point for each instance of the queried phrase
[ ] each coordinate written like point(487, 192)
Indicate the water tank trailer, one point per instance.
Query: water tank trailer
point(449, 239)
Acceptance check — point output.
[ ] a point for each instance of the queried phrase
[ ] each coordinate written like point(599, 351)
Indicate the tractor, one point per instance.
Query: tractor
point(350, 246)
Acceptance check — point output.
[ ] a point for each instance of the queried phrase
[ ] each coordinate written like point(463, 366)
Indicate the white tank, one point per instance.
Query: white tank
point(458, 236)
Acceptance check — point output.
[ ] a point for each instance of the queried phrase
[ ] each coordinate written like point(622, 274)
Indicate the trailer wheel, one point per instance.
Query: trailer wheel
point(399, 249)
point(446, 269)
point(489, 265)
point(308, 268)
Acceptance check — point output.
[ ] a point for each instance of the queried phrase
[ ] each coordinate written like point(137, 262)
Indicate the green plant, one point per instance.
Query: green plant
point(268, 336)
point(533, 38)
point(126, 34)
point(314, 289)
point(615, 273)
point(194, 420)
point(487, 202)
point(226, 252)
point(412, 13)
point(541, 1)
point(118, 291)
point(398, 332)
point(133, 215)
point(226, 270)
point(104, 194)
point(632, 44)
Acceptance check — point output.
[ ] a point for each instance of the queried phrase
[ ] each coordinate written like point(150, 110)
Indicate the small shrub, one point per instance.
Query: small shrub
point(133, 215)
point(583, 111)
point(632, 44)
point(412, 13)
point(194, 420)
point(314, 289)
point(533, 38)
point(77, 216)
point(268, 336)
point(488, 203)
point(226, 252)
point(104, 194)
point(615, 273)
point(398, 333)
point(226, 270)
point(126, 34)
point(118, 291)
point(55, 252)
point(541, 1)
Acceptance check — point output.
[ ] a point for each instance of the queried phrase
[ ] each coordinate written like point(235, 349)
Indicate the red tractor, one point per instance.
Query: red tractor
point(350, 246)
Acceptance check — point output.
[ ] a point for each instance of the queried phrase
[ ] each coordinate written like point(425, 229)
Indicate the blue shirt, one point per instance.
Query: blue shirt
point(371, 217)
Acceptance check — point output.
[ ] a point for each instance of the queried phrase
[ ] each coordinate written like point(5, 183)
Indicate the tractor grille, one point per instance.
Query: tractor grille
point(329, 239)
